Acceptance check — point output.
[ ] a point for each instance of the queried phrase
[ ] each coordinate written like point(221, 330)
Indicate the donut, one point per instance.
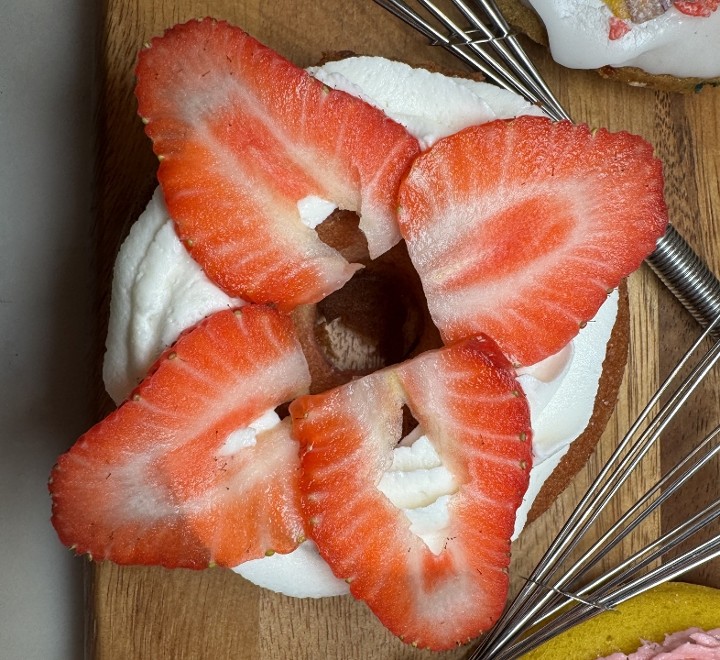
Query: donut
point(670, 46)
point(673, 620)
point(240, 388)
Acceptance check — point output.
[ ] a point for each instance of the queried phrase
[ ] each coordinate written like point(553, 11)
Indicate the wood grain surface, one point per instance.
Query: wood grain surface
point(152, 613)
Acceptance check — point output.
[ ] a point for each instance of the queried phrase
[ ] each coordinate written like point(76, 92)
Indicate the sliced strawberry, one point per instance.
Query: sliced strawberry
point(519, 228)
point(698, 7)
point(121, 492)
point(468, 403)
point(618, 28)
point(242, 503)
point(243, 135)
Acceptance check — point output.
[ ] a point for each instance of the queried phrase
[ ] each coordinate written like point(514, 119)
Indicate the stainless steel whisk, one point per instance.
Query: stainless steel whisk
point(487, 44)
point(555, 597)
point(553, 586)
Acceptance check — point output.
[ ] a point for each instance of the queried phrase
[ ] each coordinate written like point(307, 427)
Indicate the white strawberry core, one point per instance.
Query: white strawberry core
point(420, 485)
point(247, 437)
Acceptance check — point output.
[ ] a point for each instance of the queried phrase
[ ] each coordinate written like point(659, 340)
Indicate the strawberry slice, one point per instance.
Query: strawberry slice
point(121, 492)
point(244, 494)
point(519, 228)
point(618, 28)
point(467, 402)
point(243, 135)
point(702, 8)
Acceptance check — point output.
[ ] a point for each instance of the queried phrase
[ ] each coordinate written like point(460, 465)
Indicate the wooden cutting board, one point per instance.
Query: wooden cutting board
point(152, 613)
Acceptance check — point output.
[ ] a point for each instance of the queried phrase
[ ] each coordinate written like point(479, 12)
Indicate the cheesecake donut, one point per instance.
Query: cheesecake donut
point(254, 285)
point(379, 317)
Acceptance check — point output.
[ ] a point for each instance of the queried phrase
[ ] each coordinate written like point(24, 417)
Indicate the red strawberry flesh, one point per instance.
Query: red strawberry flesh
point(701, 8)
point(519, 228)
point(243, 135)
point(144, 485)
point(467, 401)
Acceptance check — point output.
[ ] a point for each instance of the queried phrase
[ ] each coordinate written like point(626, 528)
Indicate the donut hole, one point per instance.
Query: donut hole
point(377, 319)
point(341, 231)
point(409, 423)
point(283, 410)
point(369, 323)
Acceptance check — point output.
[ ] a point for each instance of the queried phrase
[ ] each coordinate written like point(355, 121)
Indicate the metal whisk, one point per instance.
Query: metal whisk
point(561, 577)
point(563, 590)
point(487, 44)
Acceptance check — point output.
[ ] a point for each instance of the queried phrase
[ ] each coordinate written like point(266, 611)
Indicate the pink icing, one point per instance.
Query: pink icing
point(690, 644)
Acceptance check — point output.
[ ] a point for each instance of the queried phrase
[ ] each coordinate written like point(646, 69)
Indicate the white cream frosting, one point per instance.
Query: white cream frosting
point(673, 43)
point(159, 290)
point(247, 437)
point(418, 483)
point(428, 104)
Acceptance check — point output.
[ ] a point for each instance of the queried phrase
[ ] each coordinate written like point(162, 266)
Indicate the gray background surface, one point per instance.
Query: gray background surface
point(46, 107)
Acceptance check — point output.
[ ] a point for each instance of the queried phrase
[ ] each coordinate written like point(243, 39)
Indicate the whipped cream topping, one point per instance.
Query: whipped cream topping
point(418, 483)
point(302, 574)
point(158, 291)
point(429, 105)
point(247, 437)
point(561, 408)
point(672, 43)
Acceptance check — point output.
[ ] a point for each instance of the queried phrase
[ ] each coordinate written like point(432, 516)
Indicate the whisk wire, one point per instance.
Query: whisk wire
point(617, 533)
point(528, 605)
point(509, 72)
point(616, 593)
point(605, 485)
point(510, 51)
point(674, 479)
point(404, 12)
